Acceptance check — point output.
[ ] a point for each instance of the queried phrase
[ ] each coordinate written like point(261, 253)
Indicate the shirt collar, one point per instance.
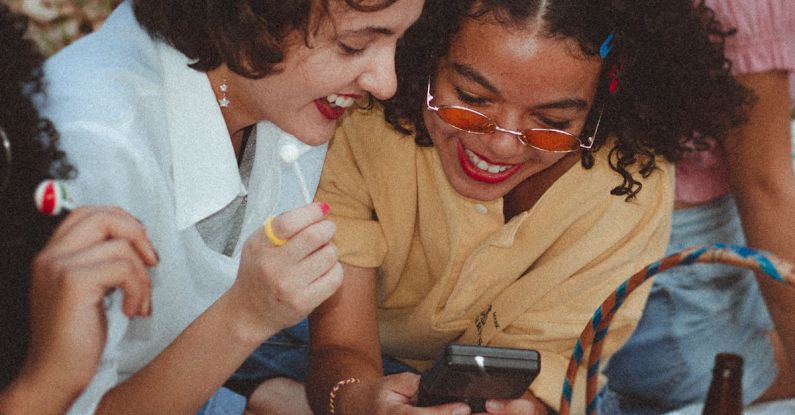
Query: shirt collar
point(204, 167)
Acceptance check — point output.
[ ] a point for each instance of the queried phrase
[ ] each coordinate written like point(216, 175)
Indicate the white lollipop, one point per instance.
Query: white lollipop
point(51, 198)
point(289, 153)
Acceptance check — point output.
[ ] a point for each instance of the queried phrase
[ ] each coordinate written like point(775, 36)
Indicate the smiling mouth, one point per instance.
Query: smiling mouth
point(477, 168)
point(333, 106)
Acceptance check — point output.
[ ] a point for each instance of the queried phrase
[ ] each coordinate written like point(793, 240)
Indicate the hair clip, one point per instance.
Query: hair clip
point(614, 75)
point(606, 46)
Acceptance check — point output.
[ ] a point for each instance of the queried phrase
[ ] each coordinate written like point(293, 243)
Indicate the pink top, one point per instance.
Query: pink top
point(765, 40)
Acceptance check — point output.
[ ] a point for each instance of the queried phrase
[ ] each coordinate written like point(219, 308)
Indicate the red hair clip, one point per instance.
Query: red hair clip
point(615, 75)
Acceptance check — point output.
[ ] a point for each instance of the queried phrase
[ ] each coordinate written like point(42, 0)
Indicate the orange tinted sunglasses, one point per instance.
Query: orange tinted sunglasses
point(545, 139)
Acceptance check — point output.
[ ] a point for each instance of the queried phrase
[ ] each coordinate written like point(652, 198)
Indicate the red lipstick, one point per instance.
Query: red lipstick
point(325, 108)
point(480, 175)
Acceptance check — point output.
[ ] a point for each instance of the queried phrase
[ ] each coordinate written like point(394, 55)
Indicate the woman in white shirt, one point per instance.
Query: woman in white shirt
point(181, 113)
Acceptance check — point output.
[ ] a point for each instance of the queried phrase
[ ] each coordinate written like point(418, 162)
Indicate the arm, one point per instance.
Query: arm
point(95, 249)
point(763, 182)
point(345, 342)
point(276, 287)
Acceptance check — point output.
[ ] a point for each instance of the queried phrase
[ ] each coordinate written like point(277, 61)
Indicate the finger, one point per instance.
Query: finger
point(73, 217)
point(315, 265)
point(289, 223)
point(406, 384)
point(457, 408)
point(99, 224)
point(323, 287)
point(109, 265)
point(514, 406)
point(310, 239)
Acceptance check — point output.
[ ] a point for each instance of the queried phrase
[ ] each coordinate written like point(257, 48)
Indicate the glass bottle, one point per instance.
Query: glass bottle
point(725, 396)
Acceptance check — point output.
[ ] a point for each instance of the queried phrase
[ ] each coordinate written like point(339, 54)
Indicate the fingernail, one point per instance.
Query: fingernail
point(324, 207)
point(157, 255)
point(461, 410)
point(494, 405)
point(147, 309)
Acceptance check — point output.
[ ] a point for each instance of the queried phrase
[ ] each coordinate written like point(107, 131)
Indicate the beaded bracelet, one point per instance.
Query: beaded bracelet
point(333, 394)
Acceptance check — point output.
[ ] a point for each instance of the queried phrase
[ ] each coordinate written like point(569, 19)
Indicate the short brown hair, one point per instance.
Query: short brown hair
point(246, 35)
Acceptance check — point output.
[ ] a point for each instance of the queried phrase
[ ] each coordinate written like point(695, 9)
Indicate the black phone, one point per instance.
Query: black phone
point(473, 374)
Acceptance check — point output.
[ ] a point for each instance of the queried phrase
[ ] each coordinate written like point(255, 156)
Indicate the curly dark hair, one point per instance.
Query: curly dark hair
point(35, 156)
point(675, 86)
point(246, 35)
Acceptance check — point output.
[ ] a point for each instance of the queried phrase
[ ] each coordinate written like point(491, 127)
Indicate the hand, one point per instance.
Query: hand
point(526, 405)
point(394, 395)
point(278, 286)
point(94, 250)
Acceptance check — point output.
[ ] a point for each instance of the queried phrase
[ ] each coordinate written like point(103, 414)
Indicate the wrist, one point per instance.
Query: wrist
point(338, 397)
point(247, 328)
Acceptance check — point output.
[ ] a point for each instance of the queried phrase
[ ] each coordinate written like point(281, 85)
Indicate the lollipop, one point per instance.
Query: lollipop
point(289, 153)
point(51, 198)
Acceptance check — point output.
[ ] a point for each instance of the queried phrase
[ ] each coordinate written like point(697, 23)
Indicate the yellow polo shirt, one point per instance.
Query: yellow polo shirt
point(451, 270)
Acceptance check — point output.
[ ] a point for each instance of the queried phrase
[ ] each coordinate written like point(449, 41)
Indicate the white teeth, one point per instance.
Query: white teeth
point(340, 100)
point(483, 165)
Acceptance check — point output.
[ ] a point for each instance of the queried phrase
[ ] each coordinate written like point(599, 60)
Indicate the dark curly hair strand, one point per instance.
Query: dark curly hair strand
point(35, 157)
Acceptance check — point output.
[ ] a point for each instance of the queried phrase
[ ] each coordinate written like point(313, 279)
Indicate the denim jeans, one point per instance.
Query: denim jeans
point(693, 312)
point(285, 354)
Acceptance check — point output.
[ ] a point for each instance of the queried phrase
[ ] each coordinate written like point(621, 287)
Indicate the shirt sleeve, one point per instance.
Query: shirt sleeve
point(765, 38)
point(343, 185)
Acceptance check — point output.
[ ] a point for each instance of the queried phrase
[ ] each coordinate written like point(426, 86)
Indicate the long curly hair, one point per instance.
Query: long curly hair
point(246, 35)
point(35, 156)
point(676, 86)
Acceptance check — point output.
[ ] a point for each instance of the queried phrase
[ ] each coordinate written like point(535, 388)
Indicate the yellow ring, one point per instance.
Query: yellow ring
point(272, 236)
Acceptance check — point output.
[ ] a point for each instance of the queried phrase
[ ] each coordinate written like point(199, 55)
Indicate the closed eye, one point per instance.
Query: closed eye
point(470, 99)
point(348, 50)
point(557, 125)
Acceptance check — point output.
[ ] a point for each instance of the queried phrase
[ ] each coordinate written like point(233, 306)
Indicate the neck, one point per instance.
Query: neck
point(235, 117)
point(525, 195)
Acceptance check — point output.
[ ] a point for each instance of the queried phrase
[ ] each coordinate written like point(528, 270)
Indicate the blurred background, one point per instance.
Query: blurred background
point(56, 23)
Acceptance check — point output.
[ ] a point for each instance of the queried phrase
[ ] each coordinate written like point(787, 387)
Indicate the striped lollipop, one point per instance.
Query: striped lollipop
point(51, 198)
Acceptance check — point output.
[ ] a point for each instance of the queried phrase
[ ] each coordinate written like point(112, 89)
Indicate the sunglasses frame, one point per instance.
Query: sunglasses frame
point(521, 136)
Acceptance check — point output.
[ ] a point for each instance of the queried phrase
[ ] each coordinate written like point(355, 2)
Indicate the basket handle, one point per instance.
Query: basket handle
point(596, 329)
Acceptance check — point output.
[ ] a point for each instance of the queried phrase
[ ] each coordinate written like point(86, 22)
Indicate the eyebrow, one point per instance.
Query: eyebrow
point(369, 30)
point(470, 73)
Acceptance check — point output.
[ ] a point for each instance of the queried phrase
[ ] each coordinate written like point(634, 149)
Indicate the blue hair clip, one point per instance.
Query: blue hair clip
point(606, 46)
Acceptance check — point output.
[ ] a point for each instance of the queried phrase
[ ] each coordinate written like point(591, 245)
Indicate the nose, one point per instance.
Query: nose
point(505, 144)
point(379, 78)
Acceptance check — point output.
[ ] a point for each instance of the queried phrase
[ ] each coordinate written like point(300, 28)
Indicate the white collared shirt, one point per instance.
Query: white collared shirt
point(145, 133)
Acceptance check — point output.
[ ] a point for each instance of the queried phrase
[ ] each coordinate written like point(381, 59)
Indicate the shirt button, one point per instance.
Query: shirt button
point(480, 208)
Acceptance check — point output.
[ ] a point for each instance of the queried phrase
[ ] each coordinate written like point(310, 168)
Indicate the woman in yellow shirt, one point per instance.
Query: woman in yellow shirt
point(511, 184)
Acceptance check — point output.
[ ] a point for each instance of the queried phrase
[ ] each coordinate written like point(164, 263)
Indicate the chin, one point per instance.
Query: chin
point(315, 136)
point(483, 195)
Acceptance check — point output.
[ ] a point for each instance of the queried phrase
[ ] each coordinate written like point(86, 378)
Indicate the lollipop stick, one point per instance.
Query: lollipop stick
point(304, 190)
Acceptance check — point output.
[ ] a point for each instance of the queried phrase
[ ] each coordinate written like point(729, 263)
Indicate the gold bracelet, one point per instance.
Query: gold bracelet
point(333, 394)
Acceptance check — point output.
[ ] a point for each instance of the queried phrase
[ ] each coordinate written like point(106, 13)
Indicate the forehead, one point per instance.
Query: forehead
point(525, 59)
point(393, 19)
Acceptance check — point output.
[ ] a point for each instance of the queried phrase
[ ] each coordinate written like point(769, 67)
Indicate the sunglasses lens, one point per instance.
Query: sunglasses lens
point(466, 120)
point(551, 140)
